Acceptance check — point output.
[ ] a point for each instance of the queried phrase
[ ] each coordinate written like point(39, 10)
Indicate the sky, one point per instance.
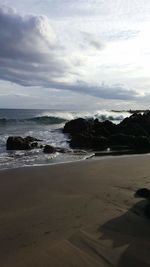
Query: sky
point(76, 55)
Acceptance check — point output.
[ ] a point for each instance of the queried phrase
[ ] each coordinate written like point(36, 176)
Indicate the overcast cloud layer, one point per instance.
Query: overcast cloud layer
point(79, 47)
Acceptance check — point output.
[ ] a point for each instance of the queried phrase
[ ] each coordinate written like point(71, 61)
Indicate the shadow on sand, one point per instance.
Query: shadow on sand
point(129, 238)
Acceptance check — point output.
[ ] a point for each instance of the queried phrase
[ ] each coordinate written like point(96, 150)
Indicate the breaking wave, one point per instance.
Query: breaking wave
point(39, 120)
point(50, 118)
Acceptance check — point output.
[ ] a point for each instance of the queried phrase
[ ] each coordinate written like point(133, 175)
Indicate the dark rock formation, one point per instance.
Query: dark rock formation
point(100, 130)
point(20, 143)
point(132, 133)
point(132, 128)
point(100, 143)
point(142, 143)
point(110, 127)
point(89, 141)
point(120, 139)
point(49, 149)
point(77, 126)
point(81, 141)
point(143, 193)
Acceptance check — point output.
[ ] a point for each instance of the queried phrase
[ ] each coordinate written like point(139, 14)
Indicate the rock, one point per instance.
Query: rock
point(81, 141)
point(142, 143)
point(133, 133)
point(138, 123)
point(132, 128)
point(134, 118)
point(105, 128)
point(49, 149)
point(34, 145)
point(17, 143)
point(77, 126)
point(99, 143)
point(20, 143)
point(89, 142)
point(142, 193)
point(100, 130)
point(146, 121)
point(121, 140)
point(110, 127)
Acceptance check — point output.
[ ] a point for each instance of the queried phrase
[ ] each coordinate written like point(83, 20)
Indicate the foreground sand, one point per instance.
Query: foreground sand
point(76, 214)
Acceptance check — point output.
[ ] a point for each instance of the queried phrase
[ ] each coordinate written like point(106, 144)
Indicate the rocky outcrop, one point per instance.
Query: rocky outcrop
point(81, 141)
point(49, 149)
point(132, 133)
point(20, 143)
point(123, 140)
point(77, 126)
point(142, 143)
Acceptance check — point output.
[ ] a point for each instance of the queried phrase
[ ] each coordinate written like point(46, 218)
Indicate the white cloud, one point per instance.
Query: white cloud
point(29, 50)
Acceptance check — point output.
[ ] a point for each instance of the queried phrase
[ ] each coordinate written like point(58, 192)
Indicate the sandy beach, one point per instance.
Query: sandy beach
point(75, 214)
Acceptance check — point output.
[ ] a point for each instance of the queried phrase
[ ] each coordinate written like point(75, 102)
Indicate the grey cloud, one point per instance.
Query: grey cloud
point(102, 91)
point(30, 56)
point(92, 40)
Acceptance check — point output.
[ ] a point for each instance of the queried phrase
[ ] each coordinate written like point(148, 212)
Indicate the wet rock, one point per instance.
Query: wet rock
point(49, 149)
point(17, 143)
point(89, 142)
point(142, 143)
point(81, 141)
point(105, 128)
point(77, 126)
point(121, 140)
point(132, 133)
point(100, 130)
point(132, 129)
point(139, 123)
point(100, 143)
point(34, 145)
point(110, 127)
point(134, 118)
point(20, 143)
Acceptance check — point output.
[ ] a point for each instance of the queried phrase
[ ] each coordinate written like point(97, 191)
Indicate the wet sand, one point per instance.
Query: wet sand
point(75, 214)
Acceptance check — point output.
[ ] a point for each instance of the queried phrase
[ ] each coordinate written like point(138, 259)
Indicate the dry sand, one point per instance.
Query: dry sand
point(80, 214)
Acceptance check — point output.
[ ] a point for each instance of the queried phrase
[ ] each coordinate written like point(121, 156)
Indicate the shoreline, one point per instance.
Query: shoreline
point(81, 213)
point(89, 158)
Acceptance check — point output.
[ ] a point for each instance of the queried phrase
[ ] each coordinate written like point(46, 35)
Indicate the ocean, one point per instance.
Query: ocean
point(46, 125)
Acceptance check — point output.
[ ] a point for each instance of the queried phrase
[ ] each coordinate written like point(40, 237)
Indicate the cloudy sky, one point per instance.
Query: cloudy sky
point(83, 54)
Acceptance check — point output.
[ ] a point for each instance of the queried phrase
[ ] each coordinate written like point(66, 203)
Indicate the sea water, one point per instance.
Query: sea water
point(47, 126)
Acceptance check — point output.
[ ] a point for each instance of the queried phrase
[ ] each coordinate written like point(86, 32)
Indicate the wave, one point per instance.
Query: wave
point(111, 115)
point(62, 117)
point(47, 120)
point(38, 120)
point(98, 114)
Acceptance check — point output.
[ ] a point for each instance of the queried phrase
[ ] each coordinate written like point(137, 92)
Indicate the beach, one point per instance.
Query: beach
point(75, 214)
